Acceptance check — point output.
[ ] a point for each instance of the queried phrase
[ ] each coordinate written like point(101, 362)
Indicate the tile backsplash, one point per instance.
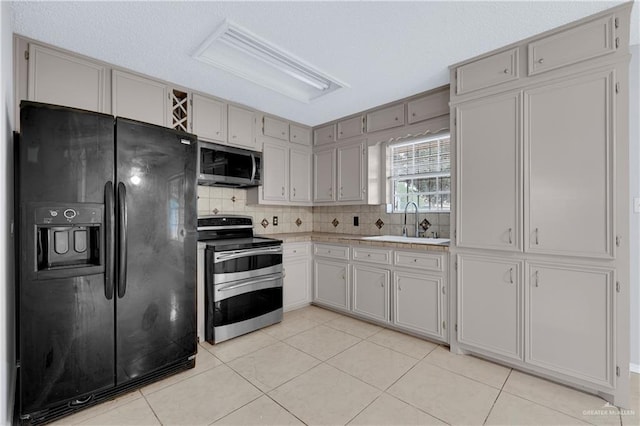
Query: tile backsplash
point(212, 200)
point(373, 220)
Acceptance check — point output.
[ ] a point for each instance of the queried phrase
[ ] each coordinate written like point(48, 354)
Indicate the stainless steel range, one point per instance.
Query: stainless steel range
point(243, 277)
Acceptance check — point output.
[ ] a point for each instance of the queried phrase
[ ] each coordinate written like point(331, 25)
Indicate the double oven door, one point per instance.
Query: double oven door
point(244, 291)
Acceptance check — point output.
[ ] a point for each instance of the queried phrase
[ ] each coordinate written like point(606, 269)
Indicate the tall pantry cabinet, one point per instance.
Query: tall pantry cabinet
point(541, 211)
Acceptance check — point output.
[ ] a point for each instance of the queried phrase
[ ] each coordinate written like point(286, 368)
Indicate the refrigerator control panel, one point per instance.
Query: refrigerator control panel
point(65, 215)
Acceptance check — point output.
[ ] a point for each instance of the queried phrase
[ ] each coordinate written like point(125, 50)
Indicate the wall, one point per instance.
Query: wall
point(634, 189)
point(7, 354)
point(233, 201)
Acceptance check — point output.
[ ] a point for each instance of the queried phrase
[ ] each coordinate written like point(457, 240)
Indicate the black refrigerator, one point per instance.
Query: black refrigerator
point(106, 297)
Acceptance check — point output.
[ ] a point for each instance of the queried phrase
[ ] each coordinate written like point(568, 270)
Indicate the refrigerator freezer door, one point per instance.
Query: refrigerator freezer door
point(156, 306)
point(66, 324)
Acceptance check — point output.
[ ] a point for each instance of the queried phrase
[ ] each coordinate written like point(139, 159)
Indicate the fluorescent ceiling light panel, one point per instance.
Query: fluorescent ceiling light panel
point(240, 52)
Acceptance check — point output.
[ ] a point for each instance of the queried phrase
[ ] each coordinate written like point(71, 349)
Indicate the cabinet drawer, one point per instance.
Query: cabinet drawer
point(590, 40)
point(324, 135)
point(430, 106)
point(487, 72)
point(385, 118)
point(294, 250)
point(351, 127)
point(426, 261)
point(275, 128)
point(335, 252)
point(299, 134)
point(363, 254)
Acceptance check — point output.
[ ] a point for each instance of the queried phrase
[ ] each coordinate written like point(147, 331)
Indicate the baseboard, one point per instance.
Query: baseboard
point(635, 368)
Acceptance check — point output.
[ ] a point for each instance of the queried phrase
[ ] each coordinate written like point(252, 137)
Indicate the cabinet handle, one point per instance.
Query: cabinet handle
point(415, 260)
point(217, 133)
point(233, 136)
point(506, 71)
point(396, 118)
point(413, 114)
point(294, 192)
point(294, 136)
point(537, 278)
point(541, 60)
point(369, 255)
point(537, 239)
point(511, 275)
point(343, 275)
point(282, 133)
point(510, 239)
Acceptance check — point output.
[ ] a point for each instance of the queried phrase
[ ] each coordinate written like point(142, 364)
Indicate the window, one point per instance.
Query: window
point(421, 173)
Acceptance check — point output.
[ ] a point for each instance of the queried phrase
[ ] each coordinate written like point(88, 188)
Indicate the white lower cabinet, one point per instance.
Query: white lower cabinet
point(570, 321)
point(371, 292)
point(418, 304)
point(489, 304)
point(297, 280)
point(331, 283)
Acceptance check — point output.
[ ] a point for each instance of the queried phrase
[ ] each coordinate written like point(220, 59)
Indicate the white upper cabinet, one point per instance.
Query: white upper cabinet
point(587, 41)
point(430, 106)
point(61, 79)
point(324, 169)
point(275, 185)
point(351, 127)
point(490, 304)
point(139, 98)
point(275, 128)
point(569, 134)
point(209, 118)
point(570, 313)
point(351, 185)
point(241, 127)
point(488, 71)
point(385, 118)
point(489, 174)
point(300, 175)
point(324, 135)
point(300, 135)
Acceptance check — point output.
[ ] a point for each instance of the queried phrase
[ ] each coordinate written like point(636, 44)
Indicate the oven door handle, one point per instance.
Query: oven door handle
point(228, 255)
point(251, 282)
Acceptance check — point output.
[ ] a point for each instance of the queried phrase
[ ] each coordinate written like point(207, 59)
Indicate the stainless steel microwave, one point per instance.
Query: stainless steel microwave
point(221, 165)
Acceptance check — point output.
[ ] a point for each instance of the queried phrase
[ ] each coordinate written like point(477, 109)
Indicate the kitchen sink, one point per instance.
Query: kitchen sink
point(410, 240)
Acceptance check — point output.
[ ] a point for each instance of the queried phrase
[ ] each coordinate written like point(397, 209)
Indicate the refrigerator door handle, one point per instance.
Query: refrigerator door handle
point(122, 240)
point(110, 240)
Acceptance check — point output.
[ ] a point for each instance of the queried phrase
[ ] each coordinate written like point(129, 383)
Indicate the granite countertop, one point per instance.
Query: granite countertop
point(327, 237)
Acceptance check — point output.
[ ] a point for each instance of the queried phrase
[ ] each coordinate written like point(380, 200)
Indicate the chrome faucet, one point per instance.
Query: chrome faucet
point(404, 228)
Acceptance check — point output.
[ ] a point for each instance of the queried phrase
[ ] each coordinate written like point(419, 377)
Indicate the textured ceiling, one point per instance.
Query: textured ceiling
point(383, 50)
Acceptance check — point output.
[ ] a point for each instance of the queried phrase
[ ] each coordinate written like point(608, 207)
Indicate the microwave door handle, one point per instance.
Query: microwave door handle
point(253, 167)
point(221, 257)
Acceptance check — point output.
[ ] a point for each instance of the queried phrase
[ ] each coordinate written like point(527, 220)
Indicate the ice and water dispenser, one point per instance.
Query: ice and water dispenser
point(68, 236)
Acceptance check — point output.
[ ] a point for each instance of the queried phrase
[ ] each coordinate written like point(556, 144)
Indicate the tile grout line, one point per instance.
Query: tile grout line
point(151, 407)
point(497, 396)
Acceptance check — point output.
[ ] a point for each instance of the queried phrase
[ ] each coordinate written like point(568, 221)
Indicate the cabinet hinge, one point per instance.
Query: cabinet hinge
point(455, 234)
point(617, 371)
point(364, 150)
point(444, 325)
point(617, 42)
point(616, 22)
point(443, 291)
point(455, 327)
point(618, 240)
point(617, 87)
point(364, 124)
point(18, 363)
point(26, 55)
point(191, 102)
point(455, 265)
point(618, 286)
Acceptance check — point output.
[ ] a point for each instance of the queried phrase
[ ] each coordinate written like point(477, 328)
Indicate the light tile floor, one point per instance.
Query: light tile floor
point(318, 367)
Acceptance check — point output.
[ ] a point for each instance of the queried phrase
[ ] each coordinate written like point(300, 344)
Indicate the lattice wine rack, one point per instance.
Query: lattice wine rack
point(179, 110)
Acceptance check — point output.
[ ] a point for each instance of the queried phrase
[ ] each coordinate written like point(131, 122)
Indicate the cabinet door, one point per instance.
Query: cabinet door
point(324, 172)
point(331, 283)
point(297, 283)
point(241, 127)
point(209, 119)
point(430, 106)
point(386, 118)
point(275, 179)
point(61, 79)
point(371, 292)
point(489, 144)
point(299, 134)
point(569, 154)
point(489, 304)
point(139, 98)
point(350, 173)
point(275, 128)
point(324, 135)
point(417, 303)
point(351, 127)
point(570, 321)
point(300, 175)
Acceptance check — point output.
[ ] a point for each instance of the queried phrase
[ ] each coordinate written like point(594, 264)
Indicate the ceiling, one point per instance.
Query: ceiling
point(383, 50)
